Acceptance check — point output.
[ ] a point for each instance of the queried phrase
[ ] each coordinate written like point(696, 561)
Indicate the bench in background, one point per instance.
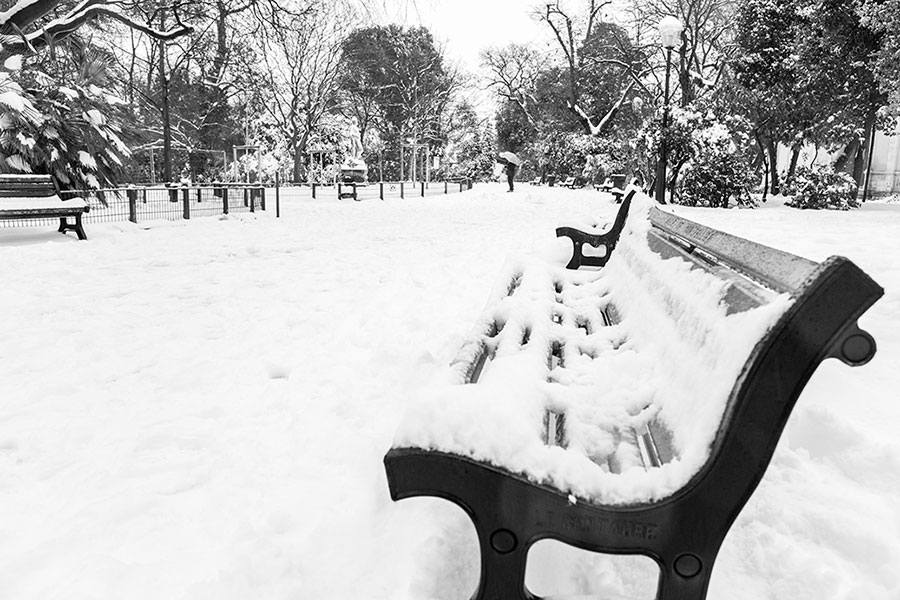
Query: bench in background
point(35, 197)
point(669, 477)
point(614, 181)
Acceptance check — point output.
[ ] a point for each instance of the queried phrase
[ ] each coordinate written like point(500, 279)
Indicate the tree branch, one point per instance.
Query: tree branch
point(61, 28)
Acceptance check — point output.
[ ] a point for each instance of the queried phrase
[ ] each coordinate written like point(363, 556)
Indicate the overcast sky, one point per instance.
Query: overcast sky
point(465, 27)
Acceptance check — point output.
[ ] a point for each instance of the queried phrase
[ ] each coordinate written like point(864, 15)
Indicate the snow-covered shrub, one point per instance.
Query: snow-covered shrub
point(71, 131)
point(588, 158)
point(717, 180)
point(706, 157)
point(717, 173)
point(819, 186)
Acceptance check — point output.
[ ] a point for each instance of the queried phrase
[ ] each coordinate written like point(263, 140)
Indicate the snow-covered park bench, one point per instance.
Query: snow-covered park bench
point(34, 197)
point(631, 408)
point(614, 181)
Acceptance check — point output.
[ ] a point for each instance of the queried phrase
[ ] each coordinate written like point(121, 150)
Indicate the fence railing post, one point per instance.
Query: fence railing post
point(381, 190)
point(277, 195)
point(445, 187)
point(314, 191)
point(401, 190)
point(423, 189)
point(186, 202)
point(355, 197)
point(246, 200)
point(340, 186)
point(224, 200)
point(132, 205)
point(199, 194)
point(262, 198)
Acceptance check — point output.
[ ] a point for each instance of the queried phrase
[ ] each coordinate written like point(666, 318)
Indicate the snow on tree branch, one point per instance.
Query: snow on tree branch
point(15, 22)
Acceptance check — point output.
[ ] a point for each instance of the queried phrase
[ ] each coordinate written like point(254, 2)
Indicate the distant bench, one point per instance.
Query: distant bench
point(614, 181)
point(664, 378)
point(35, 197)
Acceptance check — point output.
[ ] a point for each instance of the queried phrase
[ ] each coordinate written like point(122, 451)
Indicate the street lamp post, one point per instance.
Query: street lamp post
point(670, 30)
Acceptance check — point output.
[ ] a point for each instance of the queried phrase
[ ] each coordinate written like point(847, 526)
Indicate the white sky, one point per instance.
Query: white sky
point(466, 27)
point(469, 26)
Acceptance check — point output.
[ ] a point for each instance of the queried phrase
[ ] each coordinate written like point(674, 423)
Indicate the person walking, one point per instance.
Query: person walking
point(510, 174)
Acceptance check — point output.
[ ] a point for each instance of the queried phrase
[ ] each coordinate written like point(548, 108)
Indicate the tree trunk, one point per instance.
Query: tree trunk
point(299, 156)
point(673, 180)
point(212, 98)
point(862, 154)
point(795, 156)
point(772, 151)
point(166, 116)
point(687, 88)
point(859, 165)
point(849, 152)
point(870, 148)
point(761, 161)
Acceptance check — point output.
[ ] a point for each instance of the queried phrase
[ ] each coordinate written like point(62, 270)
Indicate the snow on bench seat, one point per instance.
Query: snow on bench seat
point(672, 355)
point(52, 204)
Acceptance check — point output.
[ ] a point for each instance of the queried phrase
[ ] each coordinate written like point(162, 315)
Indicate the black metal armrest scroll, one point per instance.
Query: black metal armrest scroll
point(607, 240)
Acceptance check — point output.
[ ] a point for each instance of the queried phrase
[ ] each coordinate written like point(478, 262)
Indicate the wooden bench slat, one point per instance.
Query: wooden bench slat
point(33, 191)
point(781, 271)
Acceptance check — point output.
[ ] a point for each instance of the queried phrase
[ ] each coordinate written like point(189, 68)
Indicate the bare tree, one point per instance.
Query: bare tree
point(301, 55)
point(707, 41)
point(573, 34)
point(513, 73)
point(424, 85)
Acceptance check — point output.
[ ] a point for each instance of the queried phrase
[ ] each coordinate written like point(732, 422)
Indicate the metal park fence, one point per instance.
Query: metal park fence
point(170, 203)
point(389, 189)
point(162, 203)
point(178, 202)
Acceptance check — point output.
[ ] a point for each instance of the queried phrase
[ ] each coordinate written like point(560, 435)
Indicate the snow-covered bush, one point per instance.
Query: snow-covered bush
point(717, 173)
point(72, 132)
point(588, 158)
point(706, 159)
point(819, 186)
point(716, 180)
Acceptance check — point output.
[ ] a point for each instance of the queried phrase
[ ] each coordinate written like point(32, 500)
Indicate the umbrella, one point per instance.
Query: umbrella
point(510, 157)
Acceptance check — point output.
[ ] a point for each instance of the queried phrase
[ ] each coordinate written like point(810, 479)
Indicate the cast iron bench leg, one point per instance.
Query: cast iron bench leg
point(510, 514)
point(79, 229)
point(683, 584)
point(64, 226)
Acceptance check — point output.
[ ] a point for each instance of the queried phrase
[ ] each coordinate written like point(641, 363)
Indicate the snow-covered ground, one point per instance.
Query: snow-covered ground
point(199, 410)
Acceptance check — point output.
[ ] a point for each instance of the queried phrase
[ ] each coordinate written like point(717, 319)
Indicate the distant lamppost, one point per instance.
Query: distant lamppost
point(670, 30)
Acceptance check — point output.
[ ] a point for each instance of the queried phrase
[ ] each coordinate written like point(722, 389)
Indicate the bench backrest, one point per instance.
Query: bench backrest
point(32, 186)
point(721, 371)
